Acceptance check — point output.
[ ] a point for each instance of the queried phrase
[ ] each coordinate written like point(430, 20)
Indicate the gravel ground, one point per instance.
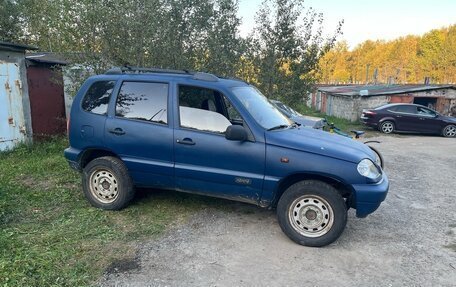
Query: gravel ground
point(409, 241)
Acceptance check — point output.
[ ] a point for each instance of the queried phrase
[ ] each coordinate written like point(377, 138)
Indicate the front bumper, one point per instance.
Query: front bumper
point(72, 155)
point(368, 197)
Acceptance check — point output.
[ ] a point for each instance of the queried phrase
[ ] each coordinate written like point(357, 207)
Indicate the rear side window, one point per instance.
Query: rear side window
point(143, 101)
point(406, 109)
point(96, 99)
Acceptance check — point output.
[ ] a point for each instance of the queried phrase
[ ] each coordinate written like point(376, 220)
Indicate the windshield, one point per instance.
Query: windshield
point(295, 113)
point(264, 113)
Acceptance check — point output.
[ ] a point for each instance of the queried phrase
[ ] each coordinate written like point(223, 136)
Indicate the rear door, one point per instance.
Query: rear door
point(205, 161)
point(406, 118)
point(139, 132)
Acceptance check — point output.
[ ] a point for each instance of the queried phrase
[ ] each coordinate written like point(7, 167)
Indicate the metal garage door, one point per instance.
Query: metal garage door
point(12, 124)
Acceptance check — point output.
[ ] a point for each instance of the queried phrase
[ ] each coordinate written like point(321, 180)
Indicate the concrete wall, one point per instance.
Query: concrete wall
point(447, 93)
point(343, 107)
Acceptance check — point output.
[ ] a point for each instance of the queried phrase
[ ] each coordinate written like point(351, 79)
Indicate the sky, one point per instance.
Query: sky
point(370, 19)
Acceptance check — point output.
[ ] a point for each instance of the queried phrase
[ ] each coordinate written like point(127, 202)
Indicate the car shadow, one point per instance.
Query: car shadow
point(147, 195)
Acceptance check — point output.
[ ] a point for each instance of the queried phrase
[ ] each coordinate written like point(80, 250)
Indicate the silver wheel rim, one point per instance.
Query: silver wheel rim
point(104, 185)
point(311, 216)
point(387, 127)
point(450, 131)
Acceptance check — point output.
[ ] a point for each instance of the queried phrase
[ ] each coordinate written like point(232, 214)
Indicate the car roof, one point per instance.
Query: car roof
point(398, 104)
point(188, 77)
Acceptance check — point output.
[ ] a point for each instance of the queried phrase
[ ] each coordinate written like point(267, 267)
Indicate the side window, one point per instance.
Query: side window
point(96, 99)
point(200, 109)
point(425, 112)
point(406, 109)
point(143, 101)
point(233, 114)
point(392, 109)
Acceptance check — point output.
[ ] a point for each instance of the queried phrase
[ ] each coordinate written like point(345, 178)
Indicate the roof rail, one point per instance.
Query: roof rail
point(138, 70)
point(205, 77)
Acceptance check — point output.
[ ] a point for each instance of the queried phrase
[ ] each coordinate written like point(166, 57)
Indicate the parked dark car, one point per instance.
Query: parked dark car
point(197, 133)
point(409, 118)
point(306, 121)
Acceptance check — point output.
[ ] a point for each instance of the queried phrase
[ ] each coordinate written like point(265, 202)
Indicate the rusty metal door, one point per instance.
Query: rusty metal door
point(12, 123)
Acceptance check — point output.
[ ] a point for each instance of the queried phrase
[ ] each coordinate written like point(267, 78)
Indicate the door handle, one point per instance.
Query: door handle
point(117, 131)
point(187, 141)
point(422, 119)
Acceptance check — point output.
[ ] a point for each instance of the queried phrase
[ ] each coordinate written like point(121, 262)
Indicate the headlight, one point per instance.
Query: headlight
point(368, 169)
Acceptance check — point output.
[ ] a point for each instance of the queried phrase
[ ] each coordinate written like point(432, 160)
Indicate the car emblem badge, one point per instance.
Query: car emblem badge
point(242, 180)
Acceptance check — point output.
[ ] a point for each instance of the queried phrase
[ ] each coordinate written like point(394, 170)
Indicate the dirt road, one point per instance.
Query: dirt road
point(409, 241)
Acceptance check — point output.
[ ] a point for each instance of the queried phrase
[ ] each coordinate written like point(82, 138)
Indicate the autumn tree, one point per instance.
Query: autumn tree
point(404, 60)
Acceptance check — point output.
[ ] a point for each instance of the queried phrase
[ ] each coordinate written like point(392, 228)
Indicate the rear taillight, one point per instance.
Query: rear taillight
point(369, 113)
point(68, 126)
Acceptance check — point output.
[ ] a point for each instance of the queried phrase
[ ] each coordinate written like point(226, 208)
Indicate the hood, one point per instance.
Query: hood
point(313, 122)
point(320, 142)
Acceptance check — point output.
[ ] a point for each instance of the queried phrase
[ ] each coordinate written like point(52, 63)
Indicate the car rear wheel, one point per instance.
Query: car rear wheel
point(107, 184)
point(312, 213)
point(449, 131)
point(387, 127)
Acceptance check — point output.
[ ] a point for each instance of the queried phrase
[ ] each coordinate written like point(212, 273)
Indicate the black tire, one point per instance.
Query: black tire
point(378, 155)
point(387, 127)
point(449, 131)
point(326, 225)
point(107, 184)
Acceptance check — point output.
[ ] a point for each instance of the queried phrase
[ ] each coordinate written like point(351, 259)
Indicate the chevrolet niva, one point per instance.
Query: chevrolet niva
point(198, 133)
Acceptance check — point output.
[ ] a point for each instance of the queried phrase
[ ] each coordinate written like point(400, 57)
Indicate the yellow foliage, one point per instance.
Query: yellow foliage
point(407, 59)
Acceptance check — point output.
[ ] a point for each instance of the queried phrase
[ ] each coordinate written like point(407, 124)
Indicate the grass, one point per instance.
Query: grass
point(51, 236)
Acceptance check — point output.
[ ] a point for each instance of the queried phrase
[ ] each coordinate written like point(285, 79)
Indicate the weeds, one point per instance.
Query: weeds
point(51, 236)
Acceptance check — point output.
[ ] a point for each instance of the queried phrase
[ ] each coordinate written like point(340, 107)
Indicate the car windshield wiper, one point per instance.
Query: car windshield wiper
point(279, 127)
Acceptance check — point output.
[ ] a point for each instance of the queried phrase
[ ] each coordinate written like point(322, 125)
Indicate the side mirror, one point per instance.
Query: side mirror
point(235, 133)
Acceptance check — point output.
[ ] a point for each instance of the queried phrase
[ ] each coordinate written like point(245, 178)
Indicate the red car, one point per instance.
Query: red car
point(409, 118)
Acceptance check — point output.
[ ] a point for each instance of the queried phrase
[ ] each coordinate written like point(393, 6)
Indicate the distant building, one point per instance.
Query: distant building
point(31, 95)
point(349, 101)
point(15, 119)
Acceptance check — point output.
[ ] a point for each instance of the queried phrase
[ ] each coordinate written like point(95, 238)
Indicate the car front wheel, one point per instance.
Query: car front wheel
point(107, 184)
point(449, 131)
point(312, 213)
point(387, 127)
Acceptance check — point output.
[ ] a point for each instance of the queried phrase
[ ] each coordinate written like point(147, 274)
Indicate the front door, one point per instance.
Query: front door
point(139, 133)
point(205, 161)
point(430, 123)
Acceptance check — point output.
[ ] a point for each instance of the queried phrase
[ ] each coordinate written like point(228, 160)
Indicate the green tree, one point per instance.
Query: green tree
point(10, 21)
point(288, 42)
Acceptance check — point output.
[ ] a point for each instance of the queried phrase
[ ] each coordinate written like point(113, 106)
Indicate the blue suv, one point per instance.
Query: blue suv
point(197, 133)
